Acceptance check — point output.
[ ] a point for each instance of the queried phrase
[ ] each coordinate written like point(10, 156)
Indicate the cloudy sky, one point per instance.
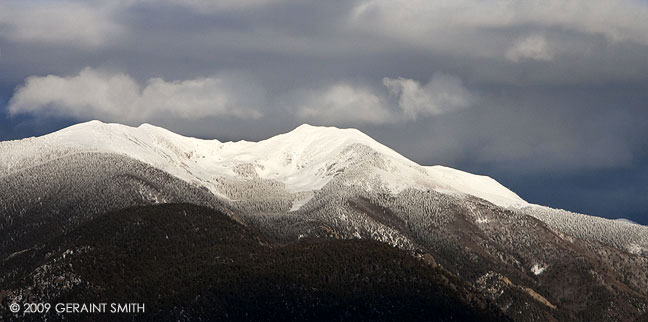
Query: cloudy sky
point(549, 97)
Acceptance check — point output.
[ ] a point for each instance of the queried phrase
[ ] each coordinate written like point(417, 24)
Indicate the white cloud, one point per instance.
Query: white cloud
point(533, 47)
point(211, 5)
point(97, 94)
point(117, 97)
point(92, 24)
point(344, 104)
point(442, 94)
point(59, 22)
point(456, 22)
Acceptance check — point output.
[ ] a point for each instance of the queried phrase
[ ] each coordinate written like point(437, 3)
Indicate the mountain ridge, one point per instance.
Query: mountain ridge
point(276, 158)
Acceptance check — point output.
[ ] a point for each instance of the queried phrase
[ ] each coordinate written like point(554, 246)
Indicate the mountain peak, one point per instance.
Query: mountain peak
point(327, 130)
point(92, 126)
point(147, 125)
point(331, 138)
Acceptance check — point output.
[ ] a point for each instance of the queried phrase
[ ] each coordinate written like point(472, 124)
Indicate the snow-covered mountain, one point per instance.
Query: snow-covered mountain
point(291, 168)
point(304, 159)
point(325, 182)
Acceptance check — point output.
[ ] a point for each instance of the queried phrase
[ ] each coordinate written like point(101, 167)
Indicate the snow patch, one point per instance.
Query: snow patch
point(635, 249)
point(625, 221)
point(481, 220)
point(537, 269)
point(297, 204)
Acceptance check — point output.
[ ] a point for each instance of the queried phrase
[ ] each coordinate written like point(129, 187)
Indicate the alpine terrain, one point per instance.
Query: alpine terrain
point(319, 223)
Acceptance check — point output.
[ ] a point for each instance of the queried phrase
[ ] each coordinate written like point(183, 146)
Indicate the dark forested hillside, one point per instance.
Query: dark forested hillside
point(48, 199)
point(189, 263)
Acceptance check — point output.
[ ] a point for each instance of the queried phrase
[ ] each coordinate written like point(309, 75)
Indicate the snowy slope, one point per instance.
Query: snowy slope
point(304, 159)
point(479, 186)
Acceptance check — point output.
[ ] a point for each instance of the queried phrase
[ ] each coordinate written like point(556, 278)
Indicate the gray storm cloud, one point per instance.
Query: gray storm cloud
point(215, 6)
point(80, 24)
point(533, 47)
point(416, 20)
